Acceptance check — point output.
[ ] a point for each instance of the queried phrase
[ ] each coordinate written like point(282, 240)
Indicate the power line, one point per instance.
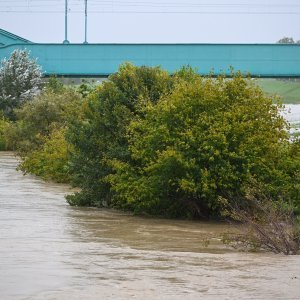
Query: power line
point(156, 12)
point(150, 3)
point(154, 2)
point(101, 7)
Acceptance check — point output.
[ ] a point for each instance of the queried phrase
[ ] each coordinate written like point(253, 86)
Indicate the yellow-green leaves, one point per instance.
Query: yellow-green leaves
point(204, 140)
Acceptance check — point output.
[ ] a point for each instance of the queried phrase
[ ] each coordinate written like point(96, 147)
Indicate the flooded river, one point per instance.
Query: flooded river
point(292, 114)
point(49, 250)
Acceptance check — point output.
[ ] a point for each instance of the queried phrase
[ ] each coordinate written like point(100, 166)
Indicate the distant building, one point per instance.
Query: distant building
point(101, 60)
point(7, 38)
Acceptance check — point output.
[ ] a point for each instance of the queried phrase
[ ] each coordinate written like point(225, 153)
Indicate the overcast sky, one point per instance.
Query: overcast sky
point(150, 21)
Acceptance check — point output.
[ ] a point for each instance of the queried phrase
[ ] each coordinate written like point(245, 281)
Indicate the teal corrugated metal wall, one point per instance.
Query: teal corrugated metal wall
point(265, 60)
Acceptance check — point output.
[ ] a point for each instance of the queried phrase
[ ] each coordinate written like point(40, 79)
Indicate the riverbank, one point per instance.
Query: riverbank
point(293, 116)
point(287, 89)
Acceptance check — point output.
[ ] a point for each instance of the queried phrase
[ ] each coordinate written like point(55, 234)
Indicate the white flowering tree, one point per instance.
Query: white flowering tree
point(20, 80)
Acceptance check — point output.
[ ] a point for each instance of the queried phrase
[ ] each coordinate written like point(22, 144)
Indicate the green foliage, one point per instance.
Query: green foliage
point(290, 182)
point(102, 133)
point(38, 135)
point(4, 124)
point(288, 40)
point(85, 88)
point(154, 143)
point(206, 139)
point(37, 118)
point(166, 145)
point(54, 85)
point(50, 161)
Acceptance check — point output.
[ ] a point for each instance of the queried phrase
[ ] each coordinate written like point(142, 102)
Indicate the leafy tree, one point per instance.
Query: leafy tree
point(101, 135)
point(166, 145)
point(151, 142)
point(204, 140)
point(286, 40)
point(20, 80)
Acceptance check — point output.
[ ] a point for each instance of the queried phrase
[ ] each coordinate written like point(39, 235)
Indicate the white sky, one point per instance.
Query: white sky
point(150, 21)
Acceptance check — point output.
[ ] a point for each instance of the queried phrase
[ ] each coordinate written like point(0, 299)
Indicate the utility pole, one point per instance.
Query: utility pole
point(66, 23)
point(85, 27)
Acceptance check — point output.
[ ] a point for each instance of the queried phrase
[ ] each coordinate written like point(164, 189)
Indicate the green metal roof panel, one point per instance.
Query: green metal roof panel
point(265, 60)
point(8, 38)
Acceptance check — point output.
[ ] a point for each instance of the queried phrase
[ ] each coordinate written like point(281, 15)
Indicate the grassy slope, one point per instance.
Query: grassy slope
point(288, 90)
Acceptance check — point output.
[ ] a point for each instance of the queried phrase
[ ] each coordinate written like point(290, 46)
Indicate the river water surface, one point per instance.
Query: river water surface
point(49, 250)
point(292, 114)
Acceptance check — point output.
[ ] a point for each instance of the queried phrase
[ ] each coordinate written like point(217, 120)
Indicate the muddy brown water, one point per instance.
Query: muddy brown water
point(49, 250)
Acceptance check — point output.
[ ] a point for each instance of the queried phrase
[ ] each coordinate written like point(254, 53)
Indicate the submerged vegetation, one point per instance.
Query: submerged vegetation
point(262, 223)
point(177, 146)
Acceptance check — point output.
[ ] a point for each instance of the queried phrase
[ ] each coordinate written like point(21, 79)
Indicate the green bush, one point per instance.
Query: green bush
point(150, 142)
point(204, 140)
point(101, 135)
point(37, 118)
point(50, 161)
point(4, 124)
point(38, 134)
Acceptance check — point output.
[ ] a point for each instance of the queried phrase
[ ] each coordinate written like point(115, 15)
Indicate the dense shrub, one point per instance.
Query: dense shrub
point(38, 135)
point(102, 134)
point(37, 118)
point(50, 161)
point(206, 139)
point(166, 145)
point(150, 142)
point(4, 124)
